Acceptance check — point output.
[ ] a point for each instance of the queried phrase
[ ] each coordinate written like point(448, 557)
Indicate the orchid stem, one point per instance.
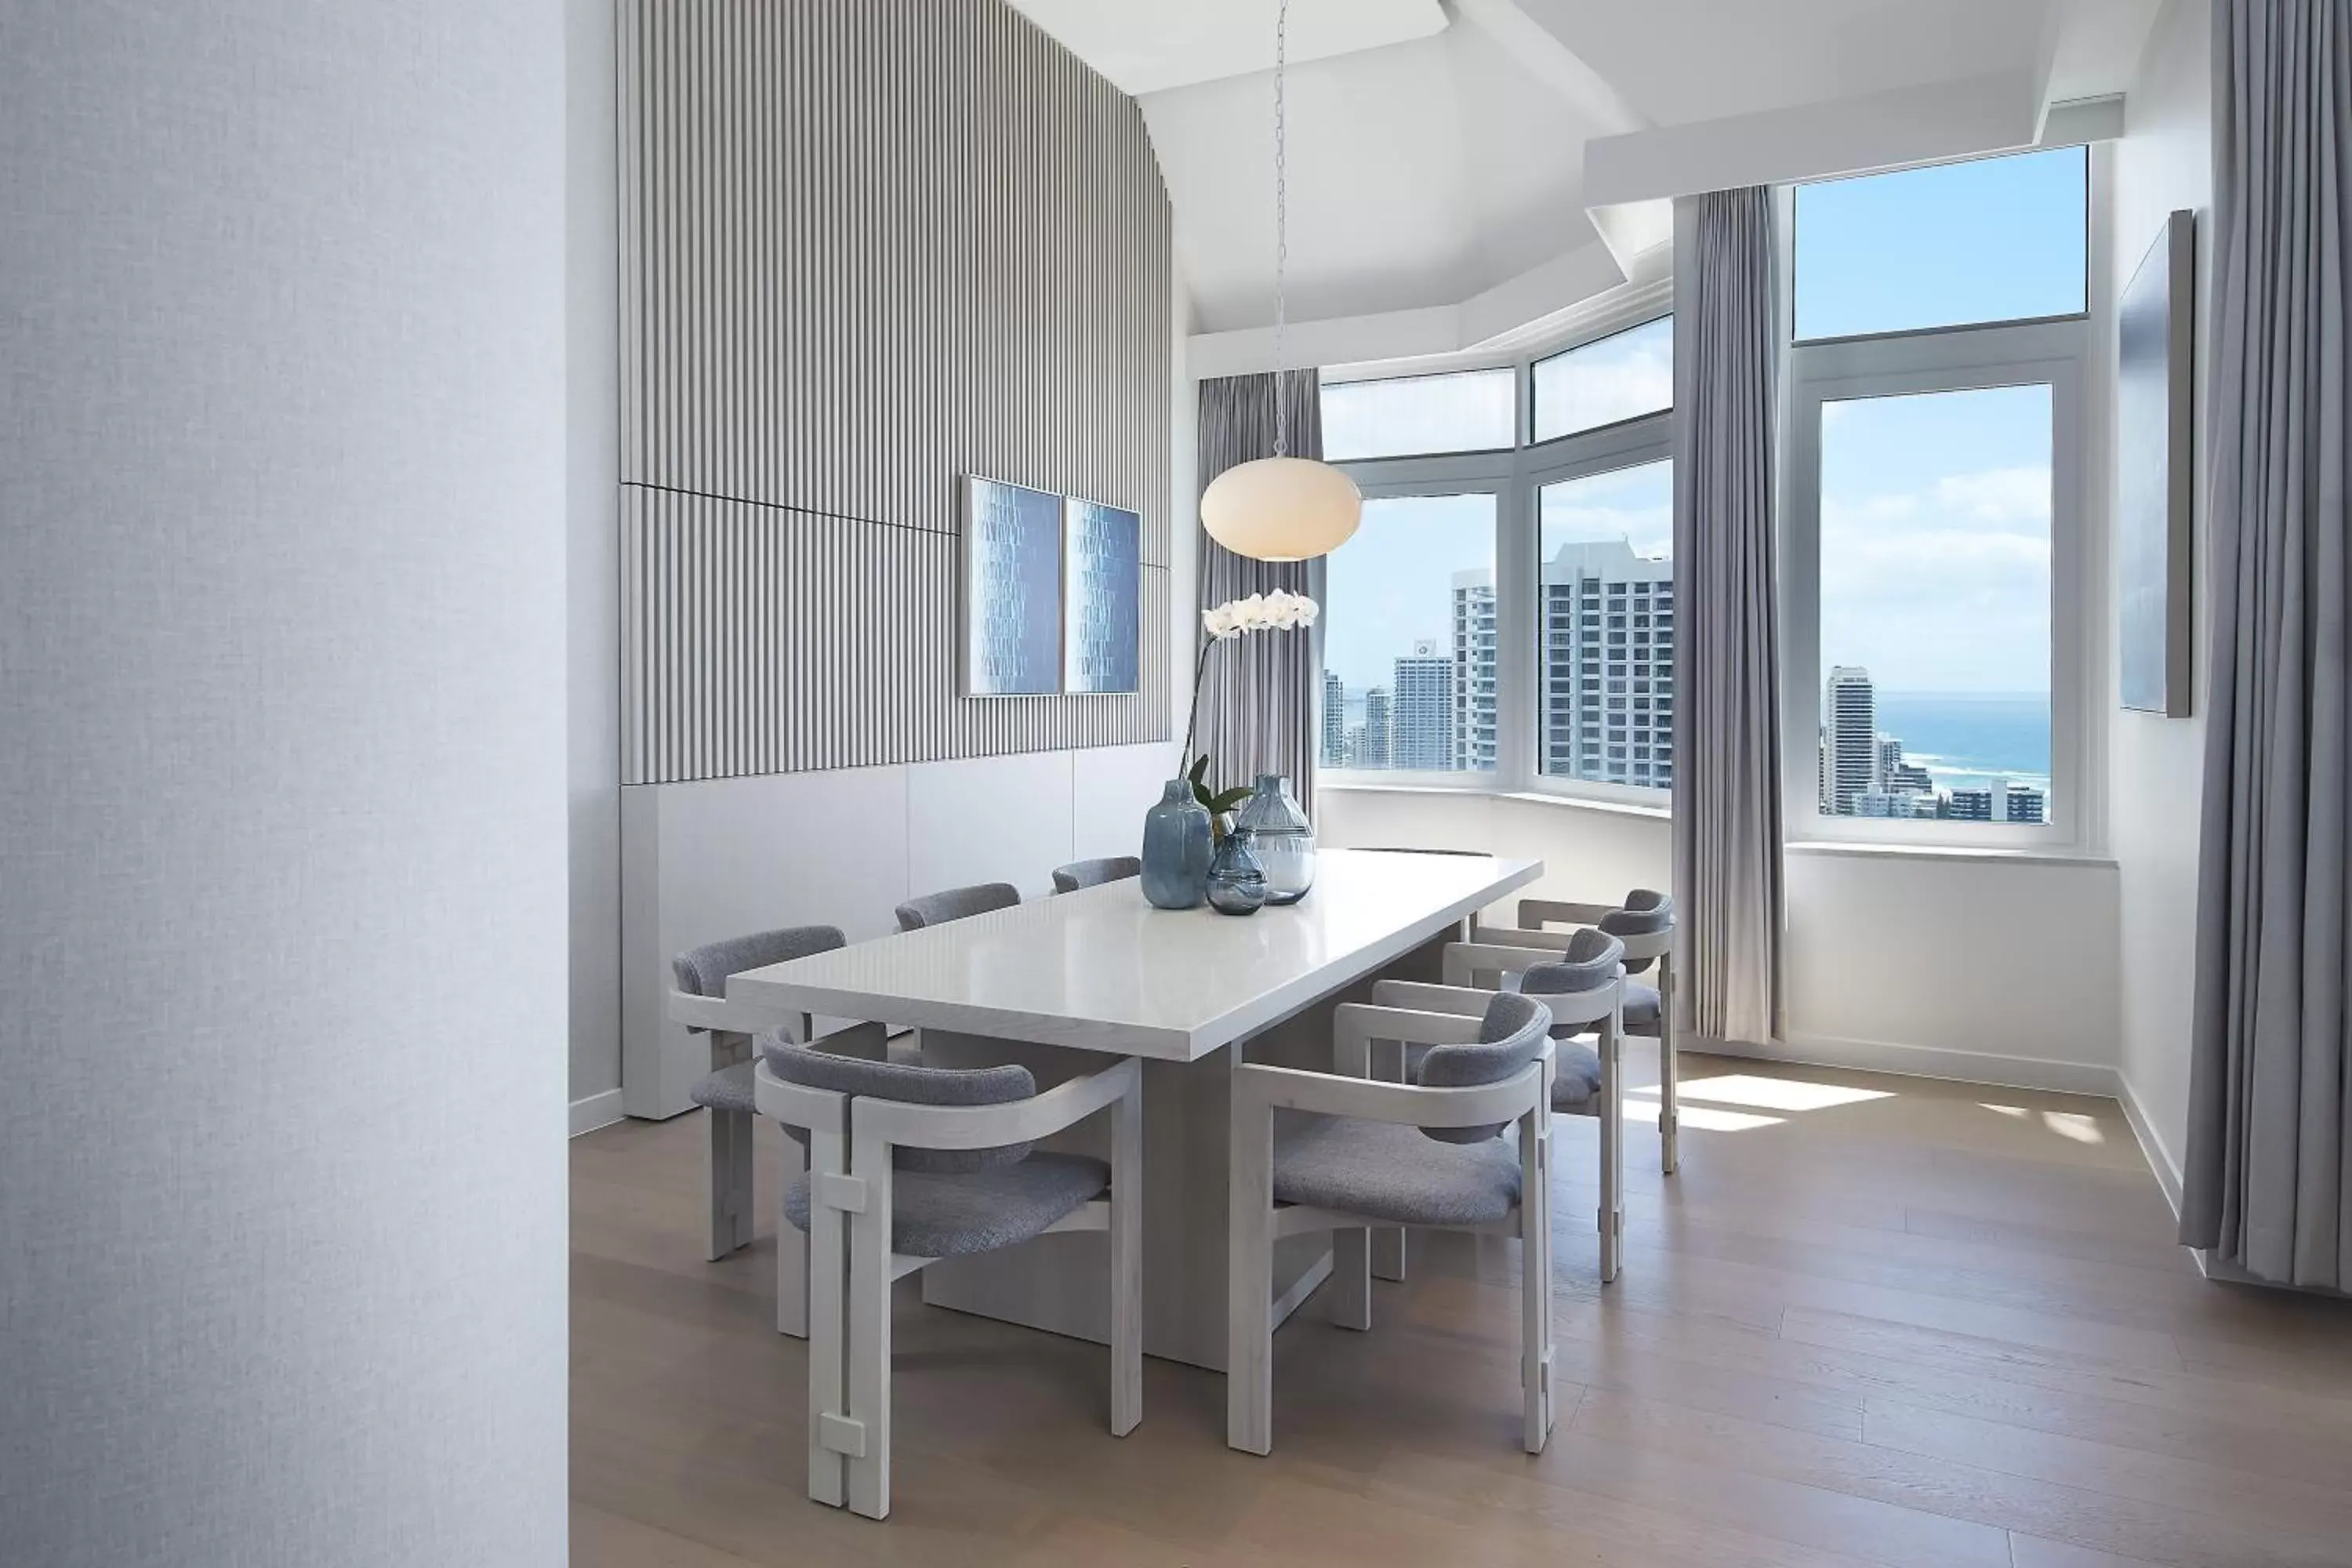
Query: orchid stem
point(1199, 669)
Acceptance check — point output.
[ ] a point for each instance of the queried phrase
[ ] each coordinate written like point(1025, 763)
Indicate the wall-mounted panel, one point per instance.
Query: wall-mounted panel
point(765, 640)
point(865, 249)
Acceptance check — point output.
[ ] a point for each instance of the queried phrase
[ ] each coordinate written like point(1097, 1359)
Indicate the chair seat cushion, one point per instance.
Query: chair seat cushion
point(1576, 1077)
point(729, 1088)
point(1385, 1172)
point(1641, 1007)
point(937, 1215)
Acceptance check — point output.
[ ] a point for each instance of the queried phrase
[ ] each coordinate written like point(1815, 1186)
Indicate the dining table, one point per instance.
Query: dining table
point(1058, 983)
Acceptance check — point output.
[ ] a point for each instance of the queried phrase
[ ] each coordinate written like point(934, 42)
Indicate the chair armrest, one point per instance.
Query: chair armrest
point(1515, 936)
point(797, 1104)
point(1261, 1086)
point(991, 1126)
point(1420, 996)
point(721, 1016)
point(1537, 912)
point(1354, 1023)
point(1571, 1009)
point(1460, 960)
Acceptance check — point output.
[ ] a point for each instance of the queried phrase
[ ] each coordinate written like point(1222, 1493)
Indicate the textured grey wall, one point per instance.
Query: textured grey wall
point(866, 249)
point(281, 786)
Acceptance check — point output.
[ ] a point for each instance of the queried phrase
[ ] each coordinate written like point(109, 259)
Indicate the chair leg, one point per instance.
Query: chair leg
point(1249, 1279)
point(1126, 1262)
point(1612, 1144)
point(1534, 1281)
point(1669, 1072)
point(869, 1328)
point(791, 1251)
point(1388, 1241)
point(730, 1134)
point(1351, 1276)
point(827, 1264)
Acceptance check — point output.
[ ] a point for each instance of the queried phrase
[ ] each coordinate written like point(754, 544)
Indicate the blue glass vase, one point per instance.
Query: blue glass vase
point(1237, 882)
point(1176, 849)
point(1281, 839)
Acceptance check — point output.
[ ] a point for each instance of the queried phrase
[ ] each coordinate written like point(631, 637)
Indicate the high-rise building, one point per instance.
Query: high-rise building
point(1473, 670)
point(1421, 723)
point(1335, 722)
point(1849, 715)
point(2025, 803)
point(1372, 750)
point(1971, 806)
point(1607, 662)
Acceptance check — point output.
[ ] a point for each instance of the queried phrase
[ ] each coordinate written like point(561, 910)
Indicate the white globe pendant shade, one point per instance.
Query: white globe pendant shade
point(1281, 509)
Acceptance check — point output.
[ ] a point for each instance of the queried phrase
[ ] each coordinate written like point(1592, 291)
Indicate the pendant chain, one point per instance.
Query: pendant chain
point(1281, 233)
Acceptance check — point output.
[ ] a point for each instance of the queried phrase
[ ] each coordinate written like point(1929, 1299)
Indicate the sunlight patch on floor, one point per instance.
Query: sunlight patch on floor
point(1642, 1109)
point(2073, 1124)
point(1776, 1094)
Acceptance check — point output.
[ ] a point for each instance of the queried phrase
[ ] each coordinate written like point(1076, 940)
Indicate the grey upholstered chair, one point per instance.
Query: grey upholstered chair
point(1582, 984)
point(1079, 874)
point(956, 903)
point(699, 1002)
point(908, 1164)
point(1342, 1153)
point(1644, 922)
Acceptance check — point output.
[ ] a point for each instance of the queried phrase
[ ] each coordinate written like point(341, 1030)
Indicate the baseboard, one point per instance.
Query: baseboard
point(2152, 1147)
point(1929, 1061)
point(596, 1110)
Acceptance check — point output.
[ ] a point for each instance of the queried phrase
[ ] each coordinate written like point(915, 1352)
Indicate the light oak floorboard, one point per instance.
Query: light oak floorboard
point(1884, 1323)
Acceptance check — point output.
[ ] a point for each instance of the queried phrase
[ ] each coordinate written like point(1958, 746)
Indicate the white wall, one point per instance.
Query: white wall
point(2163, 163)
point(281, 798)
point(1990, 970)
point(593, 506)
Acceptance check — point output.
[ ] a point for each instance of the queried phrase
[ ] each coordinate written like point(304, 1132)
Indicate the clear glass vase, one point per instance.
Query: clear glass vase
point(1282, 839)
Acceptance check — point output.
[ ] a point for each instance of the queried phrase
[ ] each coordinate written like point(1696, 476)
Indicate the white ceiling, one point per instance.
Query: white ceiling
point(1437, 149)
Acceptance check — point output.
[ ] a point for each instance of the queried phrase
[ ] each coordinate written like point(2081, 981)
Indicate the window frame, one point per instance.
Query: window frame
point(2055, 353)
point(1512, 476)
point(1518, 414)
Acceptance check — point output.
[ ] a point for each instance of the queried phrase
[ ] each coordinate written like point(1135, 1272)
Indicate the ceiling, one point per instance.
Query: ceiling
point(1437, 147)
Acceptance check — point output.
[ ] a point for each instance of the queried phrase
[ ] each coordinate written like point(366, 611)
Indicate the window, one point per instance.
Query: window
point(1935, 645)
point(1450, 645)
point(1409, 646)
point(1623, 377)
point(1932, 552)
point(1993, 239)
point(1462, 411)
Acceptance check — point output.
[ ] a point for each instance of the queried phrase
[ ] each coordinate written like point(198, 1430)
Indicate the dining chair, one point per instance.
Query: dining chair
point(1644, 922)
point(1582, 984)
point(1340, 1151)
point(956, 903)
point(908, 1164)
point(1079, 874)
point(699, 1002)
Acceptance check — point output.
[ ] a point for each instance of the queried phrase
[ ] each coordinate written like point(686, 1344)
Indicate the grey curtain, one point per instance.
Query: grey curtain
point(2268, 1184)
point(1727, 798)
point(1257, 705)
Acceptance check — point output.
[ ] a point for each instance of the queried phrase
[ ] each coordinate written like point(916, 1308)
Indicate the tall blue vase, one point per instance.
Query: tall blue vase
point(1176, 849)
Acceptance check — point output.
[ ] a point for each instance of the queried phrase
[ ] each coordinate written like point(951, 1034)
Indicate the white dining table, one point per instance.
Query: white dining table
point(1059, 982)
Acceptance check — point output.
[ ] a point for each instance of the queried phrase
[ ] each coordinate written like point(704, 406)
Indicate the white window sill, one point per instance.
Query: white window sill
point(1487, 792)
point(1988, 854)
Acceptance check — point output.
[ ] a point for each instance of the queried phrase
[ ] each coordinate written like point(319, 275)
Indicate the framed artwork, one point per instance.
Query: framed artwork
point(2155, 414)
point(1012, 590)
point(1102, 570)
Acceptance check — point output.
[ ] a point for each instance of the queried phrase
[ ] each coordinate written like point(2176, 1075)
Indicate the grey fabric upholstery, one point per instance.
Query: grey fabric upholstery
point(1591, 963)
point(1079, 874)
point(956, 903)
point(1644, 914)
point(934, 1215)
point(1510, 1036)
point(703, 971)
point(1576, 1077)
point(913, 1085)
point(729, 1088)
point(1643, 1008)
point(1385, 1172)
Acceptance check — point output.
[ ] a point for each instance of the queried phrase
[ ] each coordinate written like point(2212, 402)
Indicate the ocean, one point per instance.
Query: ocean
point(1967, 739)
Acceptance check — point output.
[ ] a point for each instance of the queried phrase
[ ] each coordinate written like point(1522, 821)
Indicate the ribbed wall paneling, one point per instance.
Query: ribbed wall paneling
point(866, 249)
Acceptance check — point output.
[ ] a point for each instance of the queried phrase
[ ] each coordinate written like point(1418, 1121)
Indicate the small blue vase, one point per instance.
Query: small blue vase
point(1237, 882)
point(1176, 849)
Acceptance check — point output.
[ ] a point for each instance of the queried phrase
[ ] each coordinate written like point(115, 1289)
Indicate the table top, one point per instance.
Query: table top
point(1102, 970)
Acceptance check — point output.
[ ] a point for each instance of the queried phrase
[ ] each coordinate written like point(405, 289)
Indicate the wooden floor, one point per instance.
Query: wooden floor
point(1873, 1320)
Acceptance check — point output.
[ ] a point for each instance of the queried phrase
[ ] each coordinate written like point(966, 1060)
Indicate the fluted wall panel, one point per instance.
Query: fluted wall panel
point(867, 247)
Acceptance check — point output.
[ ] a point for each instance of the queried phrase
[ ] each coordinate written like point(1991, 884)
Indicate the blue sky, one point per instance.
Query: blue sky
point(1936, 509)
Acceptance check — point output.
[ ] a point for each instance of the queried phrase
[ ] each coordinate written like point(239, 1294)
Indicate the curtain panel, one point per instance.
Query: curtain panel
point(1726, 797)
point(1257, 702)
point(2268, 1181)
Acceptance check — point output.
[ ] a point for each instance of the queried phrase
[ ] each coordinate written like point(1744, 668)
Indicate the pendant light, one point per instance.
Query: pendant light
point(1281, 508)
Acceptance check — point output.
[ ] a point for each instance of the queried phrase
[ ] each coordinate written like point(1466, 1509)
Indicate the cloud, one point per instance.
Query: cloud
point(2000, 495)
